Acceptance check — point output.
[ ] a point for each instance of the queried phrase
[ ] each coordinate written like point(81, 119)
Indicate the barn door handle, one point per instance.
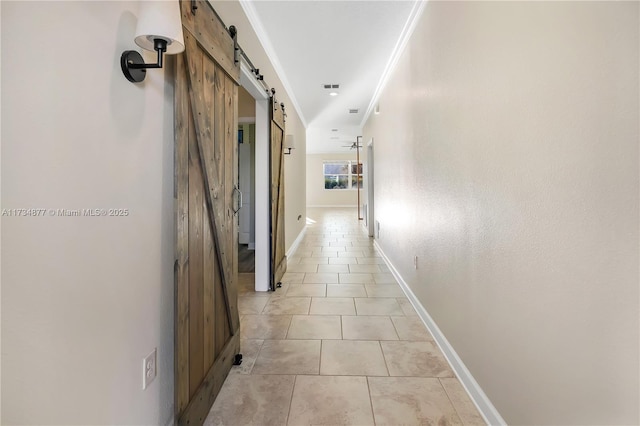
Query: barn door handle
point(236, 189)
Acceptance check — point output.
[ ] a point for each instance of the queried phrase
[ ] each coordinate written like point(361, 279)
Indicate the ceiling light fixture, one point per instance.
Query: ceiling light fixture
point(333, 88)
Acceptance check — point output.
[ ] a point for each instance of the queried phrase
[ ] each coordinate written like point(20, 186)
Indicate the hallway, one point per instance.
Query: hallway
point(339, 343)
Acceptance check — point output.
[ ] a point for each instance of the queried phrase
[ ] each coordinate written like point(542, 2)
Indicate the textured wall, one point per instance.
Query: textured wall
point(295, 169)
point(506, 156)
point(84, 299)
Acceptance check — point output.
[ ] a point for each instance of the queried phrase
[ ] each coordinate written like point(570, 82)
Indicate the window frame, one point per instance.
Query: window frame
point(350, 176)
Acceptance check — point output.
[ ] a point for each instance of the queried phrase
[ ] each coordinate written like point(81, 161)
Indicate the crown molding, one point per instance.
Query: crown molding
point(256, 23)
point(405, 35)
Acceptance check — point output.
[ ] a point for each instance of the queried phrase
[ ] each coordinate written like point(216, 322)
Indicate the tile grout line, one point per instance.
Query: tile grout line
point(286, 335)
point(384, 358)
point(320, 359)
point(288, 327)
point(293, 389)
point(450, 400)
point(256, 360)
point(395, 328)
point(373, 414)
point(258, 353)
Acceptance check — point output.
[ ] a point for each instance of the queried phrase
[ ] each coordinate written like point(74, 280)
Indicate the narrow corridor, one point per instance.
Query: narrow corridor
point(339, 343)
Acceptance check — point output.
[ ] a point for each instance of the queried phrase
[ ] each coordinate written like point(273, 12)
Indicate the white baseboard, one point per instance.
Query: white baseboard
point(364, 225)
point(477, 395)
point(340, 206)
point(297, 242)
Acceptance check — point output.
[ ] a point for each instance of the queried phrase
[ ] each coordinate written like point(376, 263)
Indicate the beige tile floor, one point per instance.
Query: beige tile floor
point(338, 344)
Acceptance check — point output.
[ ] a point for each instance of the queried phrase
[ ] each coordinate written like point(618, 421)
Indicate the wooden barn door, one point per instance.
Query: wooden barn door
point(207, 336)
point(278, 258)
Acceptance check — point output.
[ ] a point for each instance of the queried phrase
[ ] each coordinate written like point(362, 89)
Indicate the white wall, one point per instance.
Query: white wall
point(295, 169)
point(506, 156)
point(84, 299)
point(317, 196)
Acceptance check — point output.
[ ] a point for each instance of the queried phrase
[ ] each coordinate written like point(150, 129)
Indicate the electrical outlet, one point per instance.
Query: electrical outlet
point(377, 229)
point(149, 368)
point(415, 262)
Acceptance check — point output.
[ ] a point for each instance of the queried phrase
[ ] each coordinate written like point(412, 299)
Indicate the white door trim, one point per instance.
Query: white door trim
point(261, 187)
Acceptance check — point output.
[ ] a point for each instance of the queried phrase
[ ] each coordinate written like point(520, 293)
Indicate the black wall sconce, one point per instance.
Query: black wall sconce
point(159, 29)
point(289, 144)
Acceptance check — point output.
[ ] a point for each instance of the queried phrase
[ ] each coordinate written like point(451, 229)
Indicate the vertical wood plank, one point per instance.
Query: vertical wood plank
point(196, 202)
point(199, 85)
point(221, 325)
point(229, 142)
point(208, 296)
point(224, 200)
point(231, 163)
point(196, 288)
point(187, 17)
point(219, 319)
point(221, 150)
point(220, 77)
point(218, 134)
point(208, 68)
point(183, 125)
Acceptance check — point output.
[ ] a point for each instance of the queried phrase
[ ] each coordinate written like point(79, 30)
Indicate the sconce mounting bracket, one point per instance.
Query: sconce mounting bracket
point(134, 75)
point(132, 63)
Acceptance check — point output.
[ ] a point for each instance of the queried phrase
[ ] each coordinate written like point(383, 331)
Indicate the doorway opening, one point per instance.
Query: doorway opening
point(253, 173)
point(246, 181)
point(369, 211)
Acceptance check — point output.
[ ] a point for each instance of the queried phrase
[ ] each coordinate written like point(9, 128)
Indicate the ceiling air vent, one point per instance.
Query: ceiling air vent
point(353, 111)
point(332, 88)
point(334, 130)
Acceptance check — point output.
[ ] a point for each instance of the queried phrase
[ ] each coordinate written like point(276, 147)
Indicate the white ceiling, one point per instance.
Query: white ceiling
point(317, 42)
